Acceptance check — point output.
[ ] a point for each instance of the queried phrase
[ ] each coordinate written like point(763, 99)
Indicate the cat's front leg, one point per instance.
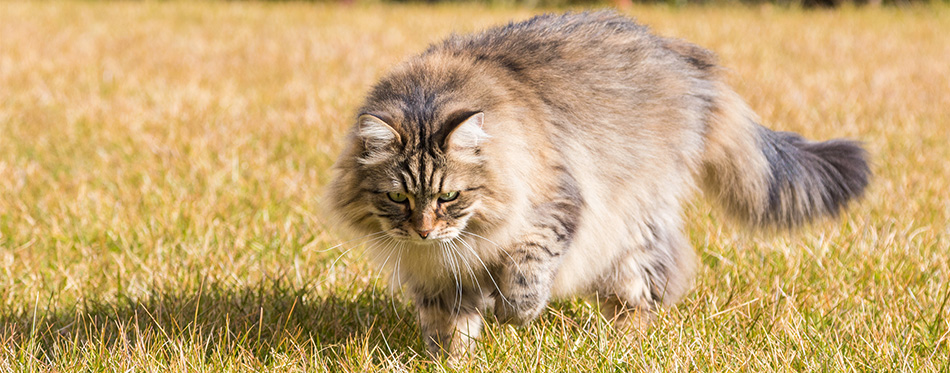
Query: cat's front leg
point(525, 282)
point(526, 273)
point(450, 320)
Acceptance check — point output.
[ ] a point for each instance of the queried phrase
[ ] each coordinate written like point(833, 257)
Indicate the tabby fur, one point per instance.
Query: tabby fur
point(573, 141)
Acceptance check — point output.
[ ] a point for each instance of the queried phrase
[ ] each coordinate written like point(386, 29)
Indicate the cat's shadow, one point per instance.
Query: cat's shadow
point(260, 319)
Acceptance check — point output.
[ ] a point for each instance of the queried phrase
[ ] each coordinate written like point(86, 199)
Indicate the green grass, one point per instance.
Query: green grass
point(161, 166)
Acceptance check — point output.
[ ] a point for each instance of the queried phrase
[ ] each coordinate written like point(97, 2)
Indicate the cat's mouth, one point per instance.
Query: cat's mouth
point(424, 238)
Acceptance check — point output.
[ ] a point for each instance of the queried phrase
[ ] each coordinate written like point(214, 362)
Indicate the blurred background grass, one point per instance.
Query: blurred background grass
point(676, 3)
point(161, 166)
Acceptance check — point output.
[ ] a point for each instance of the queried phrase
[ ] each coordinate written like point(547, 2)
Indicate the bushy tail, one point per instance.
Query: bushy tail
point(776, 179)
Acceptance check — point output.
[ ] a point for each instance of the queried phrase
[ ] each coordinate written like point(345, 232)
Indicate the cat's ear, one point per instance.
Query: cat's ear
point(379, 139)
point(468, 134)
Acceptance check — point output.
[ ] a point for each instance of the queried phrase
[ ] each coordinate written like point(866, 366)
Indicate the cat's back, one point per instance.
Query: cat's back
point(547, 33)
point(570, 43)
point(596, 81)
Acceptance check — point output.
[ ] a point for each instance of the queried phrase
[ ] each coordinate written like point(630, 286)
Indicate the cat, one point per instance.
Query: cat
point(551, 158)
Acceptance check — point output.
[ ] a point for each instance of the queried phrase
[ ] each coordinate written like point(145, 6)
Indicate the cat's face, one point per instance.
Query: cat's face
point(421, 207)
point(421, 190)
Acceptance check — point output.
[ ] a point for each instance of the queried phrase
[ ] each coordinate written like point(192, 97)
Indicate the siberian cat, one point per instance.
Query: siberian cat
point(551, 158)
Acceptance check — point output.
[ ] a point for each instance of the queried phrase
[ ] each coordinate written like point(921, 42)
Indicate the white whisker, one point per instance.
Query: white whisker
point(517, 267)
point(389, 241)
point(374, 240)
point(355, 239)
point(490, 277)
point(392, 286)
point(391, 249)
point(456, 274)
point(468, 266)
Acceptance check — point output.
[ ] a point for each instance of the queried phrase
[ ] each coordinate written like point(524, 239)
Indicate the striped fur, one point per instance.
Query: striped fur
point(551, 158)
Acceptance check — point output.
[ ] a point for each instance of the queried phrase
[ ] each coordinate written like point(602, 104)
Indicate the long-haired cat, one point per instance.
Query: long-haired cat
point(551, 158)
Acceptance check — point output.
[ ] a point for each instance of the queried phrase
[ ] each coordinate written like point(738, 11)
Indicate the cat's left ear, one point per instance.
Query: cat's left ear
point(468, 134)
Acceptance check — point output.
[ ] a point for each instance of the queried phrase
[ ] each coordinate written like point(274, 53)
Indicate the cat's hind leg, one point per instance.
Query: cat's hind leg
point(654, 274)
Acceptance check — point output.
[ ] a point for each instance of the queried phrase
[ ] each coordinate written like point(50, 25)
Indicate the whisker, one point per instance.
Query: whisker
point(448, 265)
point(479, 236)
point(471, 269)
point(493, 243)
point(457, 276)
point(379, 253)
point(517, 267)
point(355, 239)
point(374, 241)
point(490, 277)
point(392, 250)
point(467, 265)
point(392, 286)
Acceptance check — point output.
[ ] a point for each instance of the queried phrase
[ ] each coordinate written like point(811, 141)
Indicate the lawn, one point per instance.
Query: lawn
point(161, 167)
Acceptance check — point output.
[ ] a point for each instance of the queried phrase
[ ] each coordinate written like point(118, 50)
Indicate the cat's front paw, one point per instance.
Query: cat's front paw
point(517, 312)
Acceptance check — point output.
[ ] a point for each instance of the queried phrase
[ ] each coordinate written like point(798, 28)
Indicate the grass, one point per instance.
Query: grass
point(161, 167)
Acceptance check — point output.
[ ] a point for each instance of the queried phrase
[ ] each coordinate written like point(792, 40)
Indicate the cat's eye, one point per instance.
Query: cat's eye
point(397, 197)
point(445, 197)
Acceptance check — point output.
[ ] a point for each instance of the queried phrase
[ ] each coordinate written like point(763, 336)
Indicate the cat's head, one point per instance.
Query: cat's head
point(420, 180)
point(422, 162)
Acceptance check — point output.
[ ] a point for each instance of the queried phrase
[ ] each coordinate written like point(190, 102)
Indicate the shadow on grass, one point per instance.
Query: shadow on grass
point(262, 319)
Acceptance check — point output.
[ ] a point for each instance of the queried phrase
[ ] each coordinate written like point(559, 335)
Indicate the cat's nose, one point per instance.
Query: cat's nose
point(424, 233)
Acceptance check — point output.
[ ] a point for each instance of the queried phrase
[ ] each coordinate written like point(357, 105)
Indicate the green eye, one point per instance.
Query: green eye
point(445, 197)
point(397, 197)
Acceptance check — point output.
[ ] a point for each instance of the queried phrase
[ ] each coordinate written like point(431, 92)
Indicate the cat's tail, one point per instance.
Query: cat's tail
point(776, 179)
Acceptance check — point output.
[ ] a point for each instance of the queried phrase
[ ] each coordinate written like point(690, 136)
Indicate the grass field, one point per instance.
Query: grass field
point(161, 167)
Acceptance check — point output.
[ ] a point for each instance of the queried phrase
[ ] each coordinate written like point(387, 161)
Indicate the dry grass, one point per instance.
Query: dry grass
point(161, 165)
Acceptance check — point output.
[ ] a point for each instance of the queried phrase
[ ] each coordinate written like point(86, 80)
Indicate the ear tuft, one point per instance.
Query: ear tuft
point(468, 134)
point(378, 139)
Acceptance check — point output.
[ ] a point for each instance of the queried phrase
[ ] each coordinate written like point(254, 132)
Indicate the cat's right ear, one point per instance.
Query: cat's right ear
point(379, 139)
point(468, 133)
point(463, 140)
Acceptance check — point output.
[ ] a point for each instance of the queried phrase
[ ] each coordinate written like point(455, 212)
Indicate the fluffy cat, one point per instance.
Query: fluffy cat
point(551, 158)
